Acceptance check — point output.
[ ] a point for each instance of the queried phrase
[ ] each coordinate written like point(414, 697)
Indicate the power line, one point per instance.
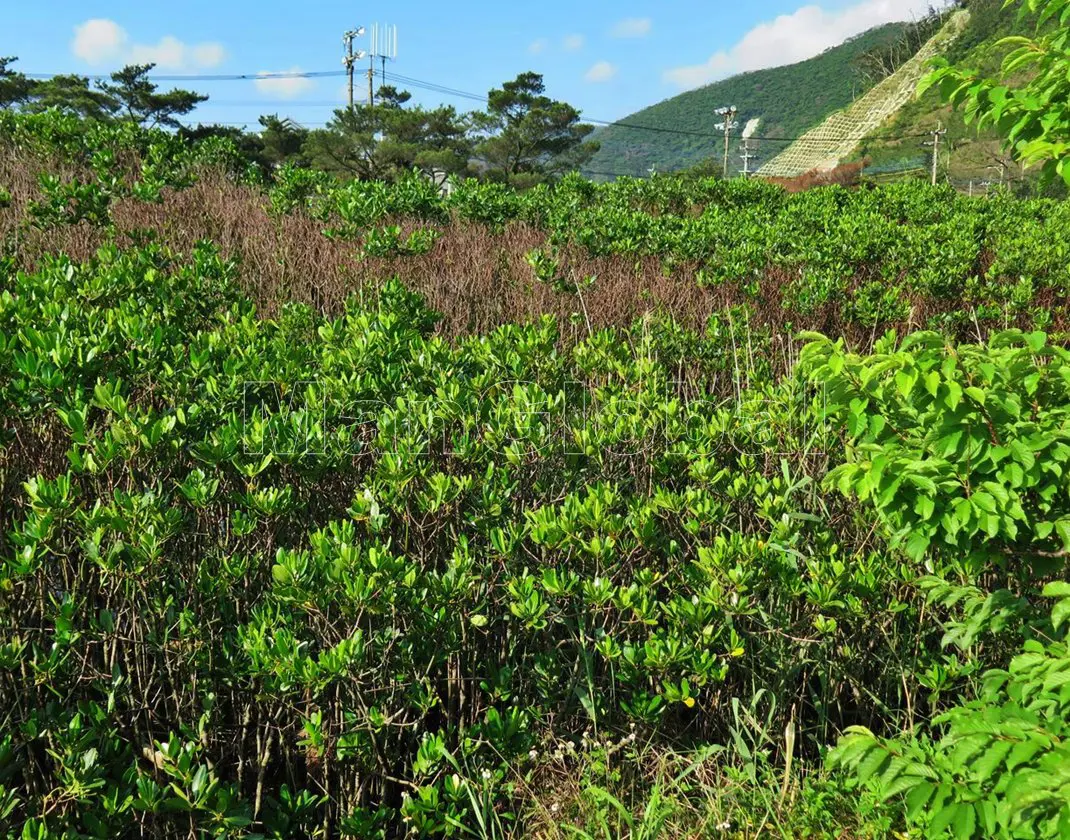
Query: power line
point(433, 87)
point(585, 171)
point(268, 103)
point(438, 88)
point(222, 77)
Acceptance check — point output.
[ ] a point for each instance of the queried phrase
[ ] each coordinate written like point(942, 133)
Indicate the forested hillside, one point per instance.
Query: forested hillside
point(794, 98)
point(788, 100)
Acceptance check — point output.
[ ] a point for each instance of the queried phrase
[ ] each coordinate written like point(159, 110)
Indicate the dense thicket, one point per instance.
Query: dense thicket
point(851, 262)
point(354, 566)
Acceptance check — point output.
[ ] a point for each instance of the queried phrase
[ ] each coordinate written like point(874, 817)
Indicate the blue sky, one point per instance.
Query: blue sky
point(609, 59)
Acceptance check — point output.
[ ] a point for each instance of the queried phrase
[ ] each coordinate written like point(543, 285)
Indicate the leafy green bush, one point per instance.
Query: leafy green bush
point(315, 575)
point(964, 266)
point(1001, 766)
point(962, 450)
point(398, 565)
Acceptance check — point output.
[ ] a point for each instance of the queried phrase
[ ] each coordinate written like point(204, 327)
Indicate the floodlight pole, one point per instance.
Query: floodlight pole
point(728, 114)
point(350, 58)
point(348, 62)
point(728, 135)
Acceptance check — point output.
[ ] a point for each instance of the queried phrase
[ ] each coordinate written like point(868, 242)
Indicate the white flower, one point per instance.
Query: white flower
point(554, 808)
point(486, 775)
point(533, 755)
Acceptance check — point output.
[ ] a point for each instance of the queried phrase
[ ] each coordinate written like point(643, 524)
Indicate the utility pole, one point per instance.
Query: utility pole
point(937, 133)
point(1002, 167)
point(350, 58)
point(749, 152)
point(371, 80)
point(746, 154)
point(728, 116)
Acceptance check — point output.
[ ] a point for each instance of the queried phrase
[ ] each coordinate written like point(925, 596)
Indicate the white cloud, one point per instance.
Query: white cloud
point(102, 41)
point(631, 28)
point(98, 40)
point(288, 87)
point(795, 37)
point(209, 54)
point(168, 54)
point(603, 71)
point(573, 42)
point(538, 46)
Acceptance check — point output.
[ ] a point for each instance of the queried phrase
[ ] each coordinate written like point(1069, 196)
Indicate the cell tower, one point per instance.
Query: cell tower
point(384, 47)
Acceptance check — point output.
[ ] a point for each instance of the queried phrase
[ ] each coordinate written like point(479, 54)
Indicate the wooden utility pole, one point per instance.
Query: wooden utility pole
point(937, 133)
point(728, 115)
point(350, 57)
point(371, 80)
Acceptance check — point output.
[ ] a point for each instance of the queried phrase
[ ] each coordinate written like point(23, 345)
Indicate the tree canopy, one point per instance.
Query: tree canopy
point(523, 137)
point(15, 88)
point(71, 94)
point(528, 135)
point(129, 95)
point(381, 140)
point(138, 99)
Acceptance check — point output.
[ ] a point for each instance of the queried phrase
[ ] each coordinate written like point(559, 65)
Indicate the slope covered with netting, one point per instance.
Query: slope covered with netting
point(824, 146)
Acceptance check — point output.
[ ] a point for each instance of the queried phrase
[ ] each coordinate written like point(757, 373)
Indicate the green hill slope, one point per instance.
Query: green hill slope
point(788, 100)
point(824, 146)
point(969, 159)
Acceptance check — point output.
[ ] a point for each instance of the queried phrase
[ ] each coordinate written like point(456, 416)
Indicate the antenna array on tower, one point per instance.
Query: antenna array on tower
point(384, 41)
